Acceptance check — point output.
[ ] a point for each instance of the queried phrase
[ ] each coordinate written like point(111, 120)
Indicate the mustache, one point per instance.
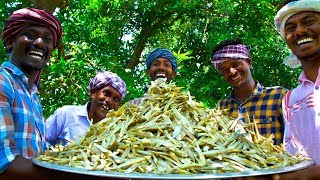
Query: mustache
point(105, 105)
point(304, 35)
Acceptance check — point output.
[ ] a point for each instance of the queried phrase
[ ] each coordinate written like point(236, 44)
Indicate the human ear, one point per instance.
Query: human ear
point(92, 92)
point(249, 61)
point(9, 45)
point(174, 74)
point(148, 72)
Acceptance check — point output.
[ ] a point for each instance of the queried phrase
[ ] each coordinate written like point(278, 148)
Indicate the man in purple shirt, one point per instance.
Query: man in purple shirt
point(69, 122)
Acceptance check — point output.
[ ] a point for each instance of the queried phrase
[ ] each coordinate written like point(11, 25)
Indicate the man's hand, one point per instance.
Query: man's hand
point(309, 173)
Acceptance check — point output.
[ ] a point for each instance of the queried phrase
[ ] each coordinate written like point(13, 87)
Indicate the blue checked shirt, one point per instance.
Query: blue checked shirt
point(264, 106)
point(22, 125)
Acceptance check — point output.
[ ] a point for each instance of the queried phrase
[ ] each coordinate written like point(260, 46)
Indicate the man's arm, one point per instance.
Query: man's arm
point(310, 173)
point(54, 127)
point(21, 168)
point(24, 168)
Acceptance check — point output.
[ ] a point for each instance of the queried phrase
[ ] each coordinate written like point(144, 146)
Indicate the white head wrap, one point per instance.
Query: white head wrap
point(285, 13)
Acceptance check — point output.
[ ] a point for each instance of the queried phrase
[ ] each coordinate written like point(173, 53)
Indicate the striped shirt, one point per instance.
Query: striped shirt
point(301, 110)
point(264, 106)
point(21, 119)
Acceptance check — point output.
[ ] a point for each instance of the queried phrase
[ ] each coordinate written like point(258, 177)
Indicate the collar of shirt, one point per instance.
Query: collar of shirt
point(83, 111)
point(304, 79)
point(9, 66)
point(257, 91)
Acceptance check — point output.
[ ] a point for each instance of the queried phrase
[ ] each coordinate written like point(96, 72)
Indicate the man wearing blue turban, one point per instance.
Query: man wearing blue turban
point(161, 64)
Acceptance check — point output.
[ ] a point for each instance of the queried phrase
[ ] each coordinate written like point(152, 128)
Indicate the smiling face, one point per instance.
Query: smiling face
point(102, 101)
point(161, 68)
point(31, 48)
point(302, 34)
point(236, 72)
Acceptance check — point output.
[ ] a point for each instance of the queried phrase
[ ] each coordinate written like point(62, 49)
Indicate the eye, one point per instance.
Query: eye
point(30, 35)
point(310, 21)
point(106, 93)
point(168, 65)
point(116, 100)
point(224, 71)
point(290, 28)
point(155, 64)
point(236, 64)
point(48, 39)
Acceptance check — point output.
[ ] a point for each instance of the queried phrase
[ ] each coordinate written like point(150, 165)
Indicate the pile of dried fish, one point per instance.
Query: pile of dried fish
point(171, 133)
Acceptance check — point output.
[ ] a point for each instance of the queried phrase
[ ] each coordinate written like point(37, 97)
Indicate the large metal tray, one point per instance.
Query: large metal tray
point(299, 166)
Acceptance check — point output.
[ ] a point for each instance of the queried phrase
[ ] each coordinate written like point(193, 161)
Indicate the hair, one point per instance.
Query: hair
point(226, 42)
point(285, 2)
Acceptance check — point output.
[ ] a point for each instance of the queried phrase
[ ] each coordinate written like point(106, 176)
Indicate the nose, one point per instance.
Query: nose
point(233, 70)
point(161, 67)
point(300, 30)
point(109, 101)
point(38, 42)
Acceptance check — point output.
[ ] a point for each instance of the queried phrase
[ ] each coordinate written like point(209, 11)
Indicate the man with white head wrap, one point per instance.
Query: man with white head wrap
point(106, 89)
point(298, 22)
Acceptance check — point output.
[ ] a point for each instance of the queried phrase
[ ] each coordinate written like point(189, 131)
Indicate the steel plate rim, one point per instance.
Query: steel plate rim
point(69, 169)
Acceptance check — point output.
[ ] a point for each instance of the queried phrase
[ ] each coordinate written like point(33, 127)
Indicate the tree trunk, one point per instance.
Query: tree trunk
point(49, 5)
point(146, 32)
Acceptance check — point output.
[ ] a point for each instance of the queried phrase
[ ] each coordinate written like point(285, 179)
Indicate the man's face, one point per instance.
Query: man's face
point(302, 34)
point(31, 48)
point(104, 100)
point(236, 72)
point(161, 68)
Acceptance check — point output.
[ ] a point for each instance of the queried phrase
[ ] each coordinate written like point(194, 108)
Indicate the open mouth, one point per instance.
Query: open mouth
point(161, 75)
point(105, 106)
point(36, 54)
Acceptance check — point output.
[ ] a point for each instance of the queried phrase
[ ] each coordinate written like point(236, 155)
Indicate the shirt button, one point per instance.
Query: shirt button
point(317, 87)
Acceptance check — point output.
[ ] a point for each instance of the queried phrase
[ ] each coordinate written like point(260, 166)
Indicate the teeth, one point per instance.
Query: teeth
point(160, 75)
point(36, 54)
point(105, 107)
point(304, 41)
point(235, 78)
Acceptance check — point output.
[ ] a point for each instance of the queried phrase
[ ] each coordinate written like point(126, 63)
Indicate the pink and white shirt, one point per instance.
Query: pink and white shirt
point(301, 111)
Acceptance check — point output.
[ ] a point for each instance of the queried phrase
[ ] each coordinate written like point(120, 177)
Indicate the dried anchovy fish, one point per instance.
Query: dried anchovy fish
point(171, 133)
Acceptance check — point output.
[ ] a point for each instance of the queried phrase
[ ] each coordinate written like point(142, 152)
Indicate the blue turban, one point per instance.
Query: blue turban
point(161, 53)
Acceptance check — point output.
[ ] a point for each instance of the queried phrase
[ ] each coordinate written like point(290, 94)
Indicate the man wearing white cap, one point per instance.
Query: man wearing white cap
point(298, 22)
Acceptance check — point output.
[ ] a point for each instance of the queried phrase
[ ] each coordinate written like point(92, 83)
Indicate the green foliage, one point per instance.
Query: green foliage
point(101, 34)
